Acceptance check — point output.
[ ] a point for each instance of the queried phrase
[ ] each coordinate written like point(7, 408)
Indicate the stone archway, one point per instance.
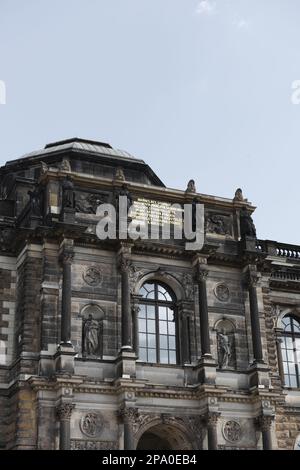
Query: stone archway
point(164, 437)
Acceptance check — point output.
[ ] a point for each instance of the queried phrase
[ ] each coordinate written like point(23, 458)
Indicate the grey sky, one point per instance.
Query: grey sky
point(197, 89)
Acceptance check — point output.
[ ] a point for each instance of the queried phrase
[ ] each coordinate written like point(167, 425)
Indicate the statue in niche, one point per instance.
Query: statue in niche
point(247, 225)
point(225, 350)
point(35, 203)
point(68, 195)
point(92, 330)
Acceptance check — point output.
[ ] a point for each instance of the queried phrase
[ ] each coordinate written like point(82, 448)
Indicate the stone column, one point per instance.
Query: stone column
point(254, 316)
point(265, 423)
point(64, 412)
point(126, 307)
point(185, 310)
point(67, 258)
point(185, 339)
point(129, 416)
point(212, 435)
point(279, 358)
point(135, 327)
point(203, 311)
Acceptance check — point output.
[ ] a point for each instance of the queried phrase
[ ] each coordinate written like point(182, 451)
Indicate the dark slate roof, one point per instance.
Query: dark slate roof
point(99, 151)
point(81, 145)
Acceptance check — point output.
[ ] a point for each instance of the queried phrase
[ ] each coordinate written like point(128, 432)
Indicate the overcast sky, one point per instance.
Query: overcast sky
point(198, 89)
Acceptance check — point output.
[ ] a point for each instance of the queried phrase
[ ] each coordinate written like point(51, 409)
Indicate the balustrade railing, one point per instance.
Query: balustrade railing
point(282, 250)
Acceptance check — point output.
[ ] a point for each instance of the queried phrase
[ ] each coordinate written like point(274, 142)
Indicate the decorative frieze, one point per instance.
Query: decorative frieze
point(80, 444)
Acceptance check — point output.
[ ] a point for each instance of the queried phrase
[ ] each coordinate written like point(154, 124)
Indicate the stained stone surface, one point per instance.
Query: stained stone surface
point(113, 397)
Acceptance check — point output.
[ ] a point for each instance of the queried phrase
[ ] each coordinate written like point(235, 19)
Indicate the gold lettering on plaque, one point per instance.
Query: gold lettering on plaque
point(156, 212)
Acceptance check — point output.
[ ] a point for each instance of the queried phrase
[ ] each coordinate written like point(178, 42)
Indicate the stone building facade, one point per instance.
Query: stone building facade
point(139, 344)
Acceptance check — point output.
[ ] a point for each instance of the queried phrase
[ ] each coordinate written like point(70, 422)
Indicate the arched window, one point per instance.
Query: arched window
point(156, 324)
point(290, 348)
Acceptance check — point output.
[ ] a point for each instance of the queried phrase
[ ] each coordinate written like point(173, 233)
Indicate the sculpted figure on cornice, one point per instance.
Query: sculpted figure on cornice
point(191, 187)
point(247, 225)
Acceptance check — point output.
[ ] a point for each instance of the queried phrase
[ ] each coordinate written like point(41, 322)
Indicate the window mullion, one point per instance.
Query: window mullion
point(157, 331)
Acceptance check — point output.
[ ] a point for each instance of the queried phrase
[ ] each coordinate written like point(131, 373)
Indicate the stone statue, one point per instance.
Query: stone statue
point(124, 192)
point(68, 195)
point(191, 187)
point(224, 347)
point(44, 168)
point(194, 214)
point(35, 203)
point(238, 196)
point(119, 174)
point(247, 225)
point(65, 165)
point(91, 337)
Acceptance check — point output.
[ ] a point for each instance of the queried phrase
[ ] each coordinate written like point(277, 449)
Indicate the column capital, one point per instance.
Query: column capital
point(251, 276)
point(125, 248)
point(199, 259)
point(124, 264)
point(67, 257)
point(264, 422)
point(130, 414)
point(64, 411)
point(201, 273)
point(211, 418)
point(185, 307)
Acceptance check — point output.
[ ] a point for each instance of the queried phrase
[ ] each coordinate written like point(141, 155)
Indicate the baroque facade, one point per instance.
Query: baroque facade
point(139, 344)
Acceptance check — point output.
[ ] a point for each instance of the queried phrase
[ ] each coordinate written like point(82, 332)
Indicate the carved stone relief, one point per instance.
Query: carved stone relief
point(219, 224)
point(79, 444)
point(232, 431)
point(92, 424)
point(222, 292)
point(88, 203)
point(92, 276)
point(226, 345)
point(188, 285)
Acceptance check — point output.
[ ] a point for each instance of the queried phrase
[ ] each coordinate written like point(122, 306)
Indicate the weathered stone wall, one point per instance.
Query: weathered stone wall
point(287, 428)
point(229, 307)
point(28, 311)
point(7, 308)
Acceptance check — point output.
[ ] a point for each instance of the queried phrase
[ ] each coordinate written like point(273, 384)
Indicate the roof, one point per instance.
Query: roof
point(78, 144)
point(99, 151)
